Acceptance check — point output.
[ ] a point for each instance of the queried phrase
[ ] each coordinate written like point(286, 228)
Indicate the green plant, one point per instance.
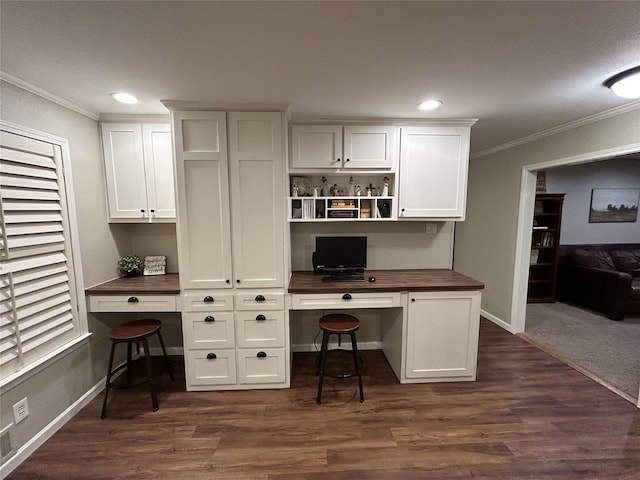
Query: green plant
point(130, 264)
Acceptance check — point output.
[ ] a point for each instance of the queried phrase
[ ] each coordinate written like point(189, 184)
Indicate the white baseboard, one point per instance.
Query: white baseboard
point(496, 320)
point(346, 345)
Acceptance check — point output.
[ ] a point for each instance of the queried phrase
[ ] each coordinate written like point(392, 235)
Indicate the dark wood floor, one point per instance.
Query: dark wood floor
point(528, 416)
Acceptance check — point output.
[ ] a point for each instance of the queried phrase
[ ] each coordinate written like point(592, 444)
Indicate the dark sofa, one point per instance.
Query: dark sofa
point(604, 278)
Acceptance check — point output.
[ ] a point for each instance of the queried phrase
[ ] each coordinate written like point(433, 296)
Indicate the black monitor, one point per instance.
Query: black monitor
point(336, 255)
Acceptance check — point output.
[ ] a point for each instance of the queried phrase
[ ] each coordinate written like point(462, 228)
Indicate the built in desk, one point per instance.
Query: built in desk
point(431, 317)
point(143, 293)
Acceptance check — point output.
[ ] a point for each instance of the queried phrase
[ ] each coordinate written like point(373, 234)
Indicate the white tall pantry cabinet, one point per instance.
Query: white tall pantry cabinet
point(231, 248)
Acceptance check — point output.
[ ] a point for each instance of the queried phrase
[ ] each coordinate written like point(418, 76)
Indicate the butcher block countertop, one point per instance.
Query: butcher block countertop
point(387, 281)
point(168, 284)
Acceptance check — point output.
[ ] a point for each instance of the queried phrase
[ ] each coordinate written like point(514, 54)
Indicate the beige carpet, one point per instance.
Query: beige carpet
point(607, 349)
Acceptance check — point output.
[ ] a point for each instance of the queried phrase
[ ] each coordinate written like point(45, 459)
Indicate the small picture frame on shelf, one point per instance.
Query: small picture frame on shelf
point(301, 187)
point(155, 265)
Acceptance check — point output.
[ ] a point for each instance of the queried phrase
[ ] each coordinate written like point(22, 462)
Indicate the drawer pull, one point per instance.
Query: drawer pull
point(209, 318)
point(260, 298)
point(133, 300)
point(261, 317)
point(211, 356)
point(346, 296)
point(413, 299)
point(208, 299)
point(261, 355)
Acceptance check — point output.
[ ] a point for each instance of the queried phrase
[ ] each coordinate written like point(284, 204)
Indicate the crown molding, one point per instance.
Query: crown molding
point(614, 112)
point(398, 122)
point(18, 82)
point(187, 105)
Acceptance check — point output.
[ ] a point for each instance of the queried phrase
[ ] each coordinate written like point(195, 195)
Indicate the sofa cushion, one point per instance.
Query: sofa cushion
point(626, 261)
point(591, 258)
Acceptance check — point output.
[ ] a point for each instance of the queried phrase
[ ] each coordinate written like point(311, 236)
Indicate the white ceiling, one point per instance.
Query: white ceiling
point(519, 67)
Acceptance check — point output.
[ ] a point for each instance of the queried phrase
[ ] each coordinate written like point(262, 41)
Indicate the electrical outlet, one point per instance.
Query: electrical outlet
point(21, 410)
point(432, 228)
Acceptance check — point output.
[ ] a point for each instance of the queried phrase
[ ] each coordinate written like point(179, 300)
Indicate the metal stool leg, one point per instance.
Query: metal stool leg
point(323, 359)
point(356, 363)
point(166, 357)
point(106, 388)
point(152, 382)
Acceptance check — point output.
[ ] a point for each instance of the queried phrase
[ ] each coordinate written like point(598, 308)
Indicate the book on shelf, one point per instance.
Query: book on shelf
point(534, 257)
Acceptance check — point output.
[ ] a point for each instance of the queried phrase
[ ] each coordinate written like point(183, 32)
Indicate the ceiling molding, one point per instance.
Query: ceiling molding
point(189, 105)
point(399, 122)
point(18, 82)
point(614, 112)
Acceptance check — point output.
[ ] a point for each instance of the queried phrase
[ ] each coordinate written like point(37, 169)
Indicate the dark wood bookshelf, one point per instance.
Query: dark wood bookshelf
point(545, 242)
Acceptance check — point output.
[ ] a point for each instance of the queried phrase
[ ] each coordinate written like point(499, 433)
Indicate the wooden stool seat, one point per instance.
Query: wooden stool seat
point(338, 324)
point(137, 331)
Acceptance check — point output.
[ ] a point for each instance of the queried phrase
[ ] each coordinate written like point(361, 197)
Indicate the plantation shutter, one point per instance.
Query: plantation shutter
point(38, 312)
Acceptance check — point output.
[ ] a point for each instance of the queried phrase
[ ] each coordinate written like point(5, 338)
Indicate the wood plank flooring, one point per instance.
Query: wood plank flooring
point(528, 416)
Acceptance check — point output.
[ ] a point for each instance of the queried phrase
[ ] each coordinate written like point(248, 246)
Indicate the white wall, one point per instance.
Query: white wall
point(576, 182)
point(485, 244)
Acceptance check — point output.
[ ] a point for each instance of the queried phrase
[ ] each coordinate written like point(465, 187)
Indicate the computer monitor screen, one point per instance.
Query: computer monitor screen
point(341, 254)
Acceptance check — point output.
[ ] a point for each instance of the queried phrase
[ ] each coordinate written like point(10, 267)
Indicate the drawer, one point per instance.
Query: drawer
point(318, 301)
point(208, 330)
point(265, 365)
point(204, 301)
point(260, 329)
point(260, 301)
point(132, 303)
point(210, 367)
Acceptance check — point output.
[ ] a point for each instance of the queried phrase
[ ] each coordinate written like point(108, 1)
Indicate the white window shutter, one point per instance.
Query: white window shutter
point(37, 309)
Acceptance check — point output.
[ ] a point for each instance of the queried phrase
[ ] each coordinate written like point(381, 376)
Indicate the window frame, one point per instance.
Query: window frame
point(72, 249)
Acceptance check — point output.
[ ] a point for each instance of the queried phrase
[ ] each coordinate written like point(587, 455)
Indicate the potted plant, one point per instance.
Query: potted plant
point(130, 265)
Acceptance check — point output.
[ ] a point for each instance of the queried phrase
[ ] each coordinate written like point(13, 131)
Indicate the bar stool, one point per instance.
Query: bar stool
point(135, 331)
point(339, 324)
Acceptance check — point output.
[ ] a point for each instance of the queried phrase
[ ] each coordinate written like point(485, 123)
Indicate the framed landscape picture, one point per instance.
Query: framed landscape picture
point(609, 205)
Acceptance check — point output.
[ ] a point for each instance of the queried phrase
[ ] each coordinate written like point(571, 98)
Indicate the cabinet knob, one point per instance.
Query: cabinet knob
point(260, 318)
point(238, 281)
point(337, 160)
point(346, 296)
point(133, 300)
point(413, 299)
point(153, 210)
point(261, 355)
point(208, 299)
point(227, 281)
point(209, 318)
point(402, 210)
point(347, 160)
point(142, 210)
point(211, 356)
point(260, 298)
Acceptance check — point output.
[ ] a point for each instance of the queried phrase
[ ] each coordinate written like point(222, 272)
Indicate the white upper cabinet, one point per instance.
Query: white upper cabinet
point(335, 147)
point(139, 172)
point(230, 199)
point(433, 172)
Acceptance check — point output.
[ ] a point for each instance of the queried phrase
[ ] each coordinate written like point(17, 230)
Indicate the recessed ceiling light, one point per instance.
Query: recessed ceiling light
point(123, 97)
point(430, 105)
point(626, 84)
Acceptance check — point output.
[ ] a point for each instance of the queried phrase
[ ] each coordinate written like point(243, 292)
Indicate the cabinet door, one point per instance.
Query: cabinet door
point(370, 147)
point(316, 146)
point(158, 156)
point(203, 222)
point(124, 170)
point(433, 172)
point(442, 335)
point(257, 199)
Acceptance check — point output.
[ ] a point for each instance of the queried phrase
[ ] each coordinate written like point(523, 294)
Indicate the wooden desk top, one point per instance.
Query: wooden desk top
point(387, 281)
point(168, 284)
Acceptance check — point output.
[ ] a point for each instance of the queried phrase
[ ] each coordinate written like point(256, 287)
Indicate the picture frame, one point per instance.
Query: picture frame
point(614, 205)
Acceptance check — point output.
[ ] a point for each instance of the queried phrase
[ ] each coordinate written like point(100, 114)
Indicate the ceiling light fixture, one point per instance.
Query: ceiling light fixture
point(430, 105)
point(123, 97)
point(626, 84)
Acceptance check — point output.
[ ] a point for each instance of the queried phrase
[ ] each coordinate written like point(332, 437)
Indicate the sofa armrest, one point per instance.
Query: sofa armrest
point(603, 290)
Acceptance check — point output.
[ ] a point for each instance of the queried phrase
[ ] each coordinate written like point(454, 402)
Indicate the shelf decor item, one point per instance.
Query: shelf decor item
point(155, 265)
point(130, 266)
